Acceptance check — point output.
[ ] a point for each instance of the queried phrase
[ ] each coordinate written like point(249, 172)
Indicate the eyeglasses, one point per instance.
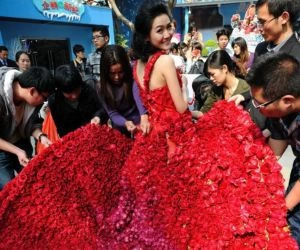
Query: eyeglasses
point(262, 24)
point(258, 105)
point(96, 37)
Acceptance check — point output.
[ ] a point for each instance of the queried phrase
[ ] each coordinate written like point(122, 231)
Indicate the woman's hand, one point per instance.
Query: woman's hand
point(145, 124)
point(130, 126)
point(237, 99)
point(196, 114)
point(95, 120)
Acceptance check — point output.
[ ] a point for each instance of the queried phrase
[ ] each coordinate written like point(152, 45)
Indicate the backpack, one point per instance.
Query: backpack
point(201, 86)
point(197, 67)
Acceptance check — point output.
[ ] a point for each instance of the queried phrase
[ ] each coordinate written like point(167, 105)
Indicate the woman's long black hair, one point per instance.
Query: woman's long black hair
point(148, 11)
point(112, 55)
point(217, 59)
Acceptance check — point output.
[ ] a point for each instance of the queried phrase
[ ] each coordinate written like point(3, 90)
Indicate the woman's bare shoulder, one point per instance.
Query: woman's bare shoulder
point(164, 61)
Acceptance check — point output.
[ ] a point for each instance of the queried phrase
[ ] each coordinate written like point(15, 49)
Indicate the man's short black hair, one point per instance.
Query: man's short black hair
point(102, 29)
point(223, 32)
point(277, 7)
point(278, 75)
point(3, 48)
point(38, 77)
point(77, 48)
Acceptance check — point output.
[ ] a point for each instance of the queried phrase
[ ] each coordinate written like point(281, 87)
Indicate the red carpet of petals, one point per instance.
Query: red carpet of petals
point(210, 185)
point(59, 201)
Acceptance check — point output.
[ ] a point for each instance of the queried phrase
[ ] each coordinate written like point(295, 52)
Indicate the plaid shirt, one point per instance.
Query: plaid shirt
point(93, 65)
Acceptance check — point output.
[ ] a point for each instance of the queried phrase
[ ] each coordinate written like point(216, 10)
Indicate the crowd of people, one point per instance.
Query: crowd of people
point(163, 174)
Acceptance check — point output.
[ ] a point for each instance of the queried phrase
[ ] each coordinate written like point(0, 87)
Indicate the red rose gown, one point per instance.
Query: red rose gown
point(210, 185)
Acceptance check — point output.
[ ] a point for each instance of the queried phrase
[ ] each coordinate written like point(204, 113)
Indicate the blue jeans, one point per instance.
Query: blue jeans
point(9, 162)
point(293, 217)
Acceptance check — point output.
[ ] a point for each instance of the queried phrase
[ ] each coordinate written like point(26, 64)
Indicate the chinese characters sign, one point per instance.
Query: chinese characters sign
point(69, 9)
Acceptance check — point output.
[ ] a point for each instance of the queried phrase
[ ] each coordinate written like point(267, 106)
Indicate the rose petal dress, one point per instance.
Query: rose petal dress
point(210, 185)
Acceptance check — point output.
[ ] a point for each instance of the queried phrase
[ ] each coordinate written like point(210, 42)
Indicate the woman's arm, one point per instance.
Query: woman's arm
point(144, 122)
point(189, 60)
point(116, 117)
point(137, 98)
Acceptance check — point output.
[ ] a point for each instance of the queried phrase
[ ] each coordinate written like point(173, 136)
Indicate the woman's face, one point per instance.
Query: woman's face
point(74, 95)
point(23, 62)
point(161, 32)
point(116, 74)
point(196, 52)
point(218, 76)
point(237, 49)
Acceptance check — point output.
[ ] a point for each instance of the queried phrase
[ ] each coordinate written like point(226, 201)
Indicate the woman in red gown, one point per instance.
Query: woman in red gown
point(210, 185)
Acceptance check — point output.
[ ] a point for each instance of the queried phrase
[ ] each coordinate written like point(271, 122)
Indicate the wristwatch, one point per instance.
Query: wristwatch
point(40, 136)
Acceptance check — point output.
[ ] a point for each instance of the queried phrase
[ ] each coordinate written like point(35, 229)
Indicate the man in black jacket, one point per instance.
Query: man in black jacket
point(74, 103)
point(4, 61)
point(276, 19)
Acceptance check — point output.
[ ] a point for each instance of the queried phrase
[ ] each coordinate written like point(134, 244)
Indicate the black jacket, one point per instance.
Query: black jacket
point(291, 47)
point(68, 118)
point(10, 63)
